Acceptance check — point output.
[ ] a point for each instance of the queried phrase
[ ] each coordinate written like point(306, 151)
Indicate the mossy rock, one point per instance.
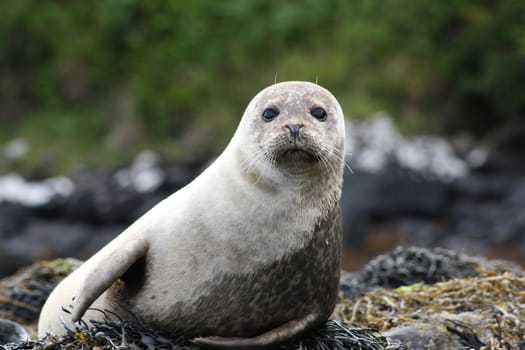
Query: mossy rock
point(23, 294)
point(480, 312)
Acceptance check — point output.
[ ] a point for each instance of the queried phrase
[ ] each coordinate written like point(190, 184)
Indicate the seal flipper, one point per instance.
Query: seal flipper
point(105, 273)
point(287, 331)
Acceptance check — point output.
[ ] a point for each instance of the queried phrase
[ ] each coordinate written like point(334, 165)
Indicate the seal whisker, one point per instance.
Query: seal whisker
point(327, 157)
point(250, 162)
point(348, 167)
point(337, 154)
point(325, 162)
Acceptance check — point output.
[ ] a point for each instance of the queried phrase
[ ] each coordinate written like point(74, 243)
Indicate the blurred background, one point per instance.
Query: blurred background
point(108, 106)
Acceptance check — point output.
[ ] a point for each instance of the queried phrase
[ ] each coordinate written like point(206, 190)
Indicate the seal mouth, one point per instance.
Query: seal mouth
point(298, 154)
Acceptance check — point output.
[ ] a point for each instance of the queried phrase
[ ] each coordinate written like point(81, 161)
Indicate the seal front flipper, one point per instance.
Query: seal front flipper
point(285, 332)
point(108, 270)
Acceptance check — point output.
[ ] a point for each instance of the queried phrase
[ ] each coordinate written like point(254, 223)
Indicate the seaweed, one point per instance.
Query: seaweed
point(23, 295)
point(485, 311)
point(405, 266)
point(135, 335)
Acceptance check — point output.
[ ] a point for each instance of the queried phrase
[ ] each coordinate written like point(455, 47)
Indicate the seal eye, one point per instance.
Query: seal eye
point(319, 113)
point(269, 114)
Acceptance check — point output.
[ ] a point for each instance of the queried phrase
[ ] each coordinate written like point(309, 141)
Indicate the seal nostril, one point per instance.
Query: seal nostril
point(294, 129)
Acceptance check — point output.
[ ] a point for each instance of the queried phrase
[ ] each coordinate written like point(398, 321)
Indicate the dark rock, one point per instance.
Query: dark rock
point(405, 266)
point(370, 196)
point(23, 294)
point(424, 336)
point(12, 219)
point(389, 194)
point(11, 332)
point(482, 187)
point(178, 176)
point(456, 313)
point(98, 199)
point(44, 239)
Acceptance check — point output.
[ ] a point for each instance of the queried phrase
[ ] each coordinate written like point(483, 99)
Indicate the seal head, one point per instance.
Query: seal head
point(292, 124)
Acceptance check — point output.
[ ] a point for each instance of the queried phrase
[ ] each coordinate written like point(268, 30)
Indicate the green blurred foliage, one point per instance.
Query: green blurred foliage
point(176, 75)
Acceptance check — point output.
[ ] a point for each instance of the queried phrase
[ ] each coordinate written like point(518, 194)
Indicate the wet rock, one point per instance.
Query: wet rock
point(375, 144)
point(391, 193)
point(368, 197)
point(12, 332)
point(424, 336)
point(23, 294)
point(15, 189)
point(12, 219)
point(421, 192)
point(406, 266)
point(483, 187)
point(474, 312)
point(100, 199)
point(45, 239)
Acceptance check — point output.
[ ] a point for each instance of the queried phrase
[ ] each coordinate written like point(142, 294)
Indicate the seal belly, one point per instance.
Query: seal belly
point(301, 283)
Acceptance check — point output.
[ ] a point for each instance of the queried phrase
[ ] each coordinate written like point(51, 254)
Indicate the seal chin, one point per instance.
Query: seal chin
point(297, 154)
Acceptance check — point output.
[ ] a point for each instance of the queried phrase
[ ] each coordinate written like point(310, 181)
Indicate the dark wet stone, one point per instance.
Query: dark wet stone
point(424, 336)
point(11, 332)
point(367, 197)
point(405, 266)
point(12, 219)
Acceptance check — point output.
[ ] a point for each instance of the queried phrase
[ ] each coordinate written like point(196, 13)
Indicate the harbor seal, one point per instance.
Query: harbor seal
point(245, 256)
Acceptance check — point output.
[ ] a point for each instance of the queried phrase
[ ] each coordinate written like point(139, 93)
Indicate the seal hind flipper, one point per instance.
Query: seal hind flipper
point(287, 331)
point(105, 273)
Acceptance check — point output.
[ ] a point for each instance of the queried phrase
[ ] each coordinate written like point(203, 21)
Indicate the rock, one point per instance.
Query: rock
point(44, 239)
point(12, 219)
point(470, 312)
point(14, 188)
point(393, 193)
point(12, 332)
point(23, 294)
point(99, 199)
point(408, 265)
point(179, 175)
point(144, 175)
point(482, 187)
point(375, 144)
point(424, 336)
point(386, 195)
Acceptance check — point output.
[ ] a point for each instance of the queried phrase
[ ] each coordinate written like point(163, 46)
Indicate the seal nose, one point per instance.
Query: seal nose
point(294, 129)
